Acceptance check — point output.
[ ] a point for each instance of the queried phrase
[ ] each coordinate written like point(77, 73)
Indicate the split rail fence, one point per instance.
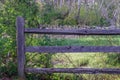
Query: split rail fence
point(22, 49)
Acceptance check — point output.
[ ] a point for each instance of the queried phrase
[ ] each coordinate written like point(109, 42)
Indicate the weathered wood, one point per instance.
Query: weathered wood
point(63, 49)
point(20, 47)
point(74, 32)
point(73, 70)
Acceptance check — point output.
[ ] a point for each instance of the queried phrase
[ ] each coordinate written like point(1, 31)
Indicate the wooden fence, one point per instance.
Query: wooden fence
point(22, 49)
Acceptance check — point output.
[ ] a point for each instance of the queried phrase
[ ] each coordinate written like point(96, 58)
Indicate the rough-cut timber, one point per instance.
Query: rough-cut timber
point(63, 49)
point(74, 32)
point(73, 70)
point(20, 47)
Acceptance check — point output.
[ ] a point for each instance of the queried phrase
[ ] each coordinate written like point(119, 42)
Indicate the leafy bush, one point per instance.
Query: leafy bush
point(11, 9)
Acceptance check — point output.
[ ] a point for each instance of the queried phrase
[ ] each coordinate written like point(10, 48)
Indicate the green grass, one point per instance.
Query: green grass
point(82, 40)
point(88, 60)
point(82, 60)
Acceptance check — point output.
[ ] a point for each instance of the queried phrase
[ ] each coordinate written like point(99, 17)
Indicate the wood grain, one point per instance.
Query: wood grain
point(64, 49)
point(20, 47)
point(74, 31)
point(73, 70)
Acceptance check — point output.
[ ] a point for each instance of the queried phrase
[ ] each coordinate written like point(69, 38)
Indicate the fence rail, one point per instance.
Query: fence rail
point(74, 32)
point(74, 70)
point(63, 49)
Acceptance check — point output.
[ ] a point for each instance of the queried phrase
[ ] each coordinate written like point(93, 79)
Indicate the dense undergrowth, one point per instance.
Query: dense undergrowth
point(35, 14)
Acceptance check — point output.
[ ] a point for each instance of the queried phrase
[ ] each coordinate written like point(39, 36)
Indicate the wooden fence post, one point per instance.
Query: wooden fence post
point(20, 47)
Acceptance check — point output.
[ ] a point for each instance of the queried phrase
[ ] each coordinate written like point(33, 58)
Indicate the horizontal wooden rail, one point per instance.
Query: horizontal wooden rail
point(74, 70)
point(63, 49)
point(74, 32)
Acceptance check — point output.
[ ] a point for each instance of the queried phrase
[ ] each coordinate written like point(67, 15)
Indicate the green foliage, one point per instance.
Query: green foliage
point(10, 10)
point(92, 18)
point(103, 22)
point(70, 20)
point(48, 14)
